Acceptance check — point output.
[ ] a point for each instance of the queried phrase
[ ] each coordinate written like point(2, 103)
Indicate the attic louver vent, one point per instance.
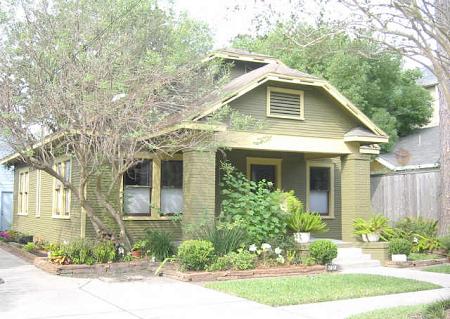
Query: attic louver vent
point(285, 103)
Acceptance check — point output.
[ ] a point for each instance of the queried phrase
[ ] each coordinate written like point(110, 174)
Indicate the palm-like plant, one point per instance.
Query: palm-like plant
point(306, 222)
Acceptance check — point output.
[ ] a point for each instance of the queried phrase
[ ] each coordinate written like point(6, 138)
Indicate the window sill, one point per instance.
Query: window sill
point(151, 218)
point(60, 217)
point(22, 214)
point(328, 217)
point(287, 117)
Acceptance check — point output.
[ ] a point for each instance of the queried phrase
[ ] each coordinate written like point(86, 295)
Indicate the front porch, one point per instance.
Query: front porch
point(335, 185)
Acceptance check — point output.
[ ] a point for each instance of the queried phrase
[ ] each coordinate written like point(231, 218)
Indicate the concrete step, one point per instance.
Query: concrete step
point(362, 257)
point(353, 251)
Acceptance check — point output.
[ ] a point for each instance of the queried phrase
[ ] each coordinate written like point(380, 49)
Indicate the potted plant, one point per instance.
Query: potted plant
point(372, 229)
point(400, 249)
point(305, 223)
point(137, 248)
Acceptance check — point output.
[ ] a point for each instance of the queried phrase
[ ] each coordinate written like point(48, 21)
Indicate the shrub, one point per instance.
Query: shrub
point(195, 254)
point(253, 206)
point(159, 244)
point(411, 227)
point(400, 246)
point(78, 252)
point(224, 237)
point(104, 252)
point(378, 224)
point(29, 247)
point(241, 260)
point(445, 242)
point(306, 222)
point(323, 251)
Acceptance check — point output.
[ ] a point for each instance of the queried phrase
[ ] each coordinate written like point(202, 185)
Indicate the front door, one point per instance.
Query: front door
point(6, 203)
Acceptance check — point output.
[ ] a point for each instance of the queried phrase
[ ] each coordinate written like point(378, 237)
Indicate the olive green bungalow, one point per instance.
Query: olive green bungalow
point(314, 142)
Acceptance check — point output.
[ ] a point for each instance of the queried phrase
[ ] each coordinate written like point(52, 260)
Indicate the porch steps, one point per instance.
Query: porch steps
point(353, 257)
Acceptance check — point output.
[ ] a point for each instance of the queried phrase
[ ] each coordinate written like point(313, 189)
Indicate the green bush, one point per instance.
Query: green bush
point(400, 246)
point(253, 206)
point(104, 252)
point(29, 247)
point(323, 251)
point(159, 244)
point(224, 237)
point(411, 227)
point(436, 310)
point(78, 252)
point(195, 254)
point(445, 242)
point(241, 260)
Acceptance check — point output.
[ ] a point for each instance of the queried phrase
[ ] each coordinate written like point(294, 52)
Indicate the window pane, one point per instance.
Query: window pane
point(67, 171)
point(260, 172)
point(171, 187)
point(137, 183)
point(139, 175)
point(319, 189)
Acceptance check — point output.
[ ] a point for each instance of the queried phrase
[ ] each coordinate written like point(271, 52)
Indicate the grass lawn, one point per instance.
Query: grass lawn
point(423, 256)
point(308, 289)
point(445, 269)
point(403, 312)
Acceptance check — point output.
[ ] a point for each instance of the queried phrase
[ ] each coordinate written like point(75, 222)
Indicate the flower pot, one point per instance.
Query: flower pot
point(136, 253)
point(302, 238)
point(364, 238)
point(399, 257)
point(373, 237)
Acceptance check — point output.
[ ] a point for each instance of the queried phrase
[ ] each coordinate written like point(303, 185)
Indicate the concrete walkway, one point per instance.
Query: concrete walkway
point(29, 293)
point(342, 309)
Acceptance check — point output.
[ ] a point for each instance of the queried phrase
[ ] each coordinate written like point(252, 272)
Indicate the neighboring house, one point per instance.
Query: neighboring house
point(315, 142)
point(6, 193)
point(406, 181)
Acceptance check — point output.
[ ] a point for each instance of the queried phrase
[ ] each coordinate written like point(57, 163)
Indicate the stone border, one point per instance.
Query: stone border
point(416, 263)
point(200, 276)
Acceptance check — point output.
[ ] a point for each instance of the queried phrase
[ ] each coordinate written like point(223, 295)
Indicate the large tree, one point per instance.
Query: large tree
point(99, 81)
point(369, 75)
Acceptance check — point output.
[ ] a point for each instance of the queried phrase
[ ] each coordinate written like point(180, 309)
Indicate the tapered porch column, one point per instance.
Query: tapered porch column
point(199, 187)
point(355, 190)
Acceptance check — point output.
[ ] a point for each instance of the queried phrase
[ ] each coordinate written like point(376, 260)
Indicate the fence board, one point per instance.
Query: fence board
point(410, 194)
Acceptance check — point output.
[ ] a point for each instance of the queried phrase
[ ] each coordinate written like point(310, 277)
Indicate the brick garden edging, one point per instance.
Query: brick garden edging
point(198, 276)
point(416, 264)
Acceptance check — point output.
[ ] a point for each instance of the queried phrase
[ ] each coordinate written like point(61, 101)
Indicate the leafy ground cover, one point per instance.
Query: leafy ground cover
point(308, 289)
point(423, 256)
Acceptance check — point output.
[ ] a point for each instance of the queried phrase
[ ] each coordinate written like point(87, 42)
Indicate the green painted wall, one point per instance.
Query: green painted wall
point(46, 227)
point(293, 171)
point(324, 117)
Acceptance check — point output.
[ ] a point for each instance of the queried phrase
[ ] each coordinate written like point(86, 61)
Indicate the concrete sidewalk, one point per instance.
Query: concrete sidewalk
point(344, 308)
point(29, 293)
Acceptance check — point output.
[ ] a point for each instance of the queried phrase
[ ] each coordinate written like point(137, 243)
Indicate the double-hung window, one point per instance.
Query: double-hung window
point(61, 193)
point(23, 191)
point(320, 188)
point(153, 188)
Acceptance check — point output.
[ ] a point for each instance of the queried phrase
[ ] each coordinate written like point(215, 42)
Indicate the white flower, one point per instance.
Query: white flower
point(280, 259)
point(117, 97)
point(266, 246)
point(252, 248)
point(278, 250)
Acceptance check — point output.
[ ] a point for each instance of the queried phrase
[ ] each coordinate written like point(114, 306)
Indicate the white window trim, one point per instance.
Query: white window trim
point(20, 196)
point(288, 91)
point(322, 163)
point(65, 193)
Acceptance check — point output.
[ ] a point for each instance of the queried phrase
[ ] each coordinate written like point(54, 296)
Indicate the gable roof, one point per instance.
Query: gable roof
point(418, 150)
point(277, 71)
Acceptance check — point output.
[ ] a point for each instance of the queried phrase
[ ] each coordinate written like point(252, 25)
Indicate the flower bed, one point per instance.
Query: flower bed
point(200, 276)
point(416, 263)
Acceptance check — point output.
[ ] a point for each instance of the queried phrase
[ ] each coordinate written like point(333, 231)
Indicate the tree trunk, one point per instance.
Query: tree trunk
point(444, 123)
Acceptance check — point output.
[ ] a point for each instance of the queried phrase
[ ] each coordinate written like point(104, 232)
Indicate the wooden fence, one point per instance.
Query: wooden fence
point(411, 194)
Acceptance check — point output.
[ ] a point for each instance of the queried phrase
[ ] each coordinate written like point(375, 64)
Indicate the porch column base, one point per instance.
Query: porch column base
point(199, 189)
point(355, 190)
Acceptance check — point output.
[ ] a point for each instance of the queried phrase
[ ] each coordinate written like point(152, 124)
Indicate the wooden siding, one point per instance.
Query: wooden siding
point(293, 177)
point(46, 227)
point(413, 194)
point(324, 117)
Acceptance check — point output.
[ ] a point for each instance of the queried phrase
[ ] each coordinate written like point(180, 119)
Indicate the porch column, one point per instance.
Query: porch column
point(355, 191)
point(199, 187)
